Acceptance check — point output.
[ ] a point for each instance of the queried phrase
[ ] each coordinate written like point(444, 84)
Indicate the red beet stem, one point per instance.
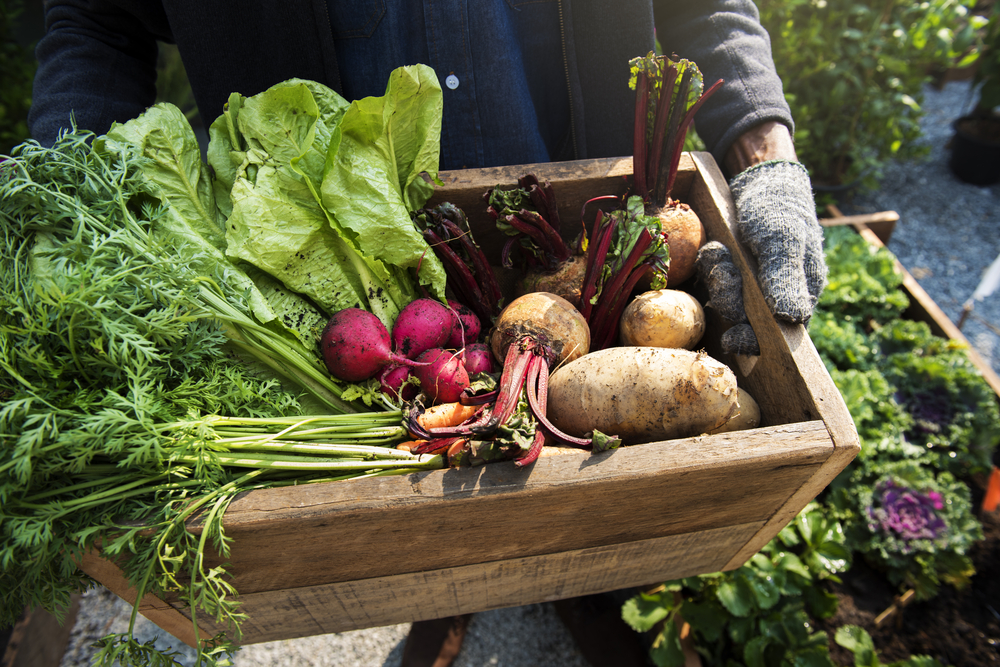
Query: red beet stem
point(537, 383)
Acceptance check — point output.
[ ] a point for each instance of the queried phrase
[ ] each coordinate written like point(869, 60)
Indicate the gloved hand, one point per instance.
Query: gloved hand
point(776, 219)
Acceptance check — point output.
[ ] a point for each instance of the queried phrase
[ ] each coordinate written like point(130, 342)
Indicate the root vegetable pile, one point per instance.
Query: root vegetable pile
point(533, 334)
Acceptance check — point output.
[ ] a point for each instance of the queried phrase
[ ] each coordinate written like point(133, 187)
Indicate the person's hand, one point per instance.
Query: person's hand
point(776, 220)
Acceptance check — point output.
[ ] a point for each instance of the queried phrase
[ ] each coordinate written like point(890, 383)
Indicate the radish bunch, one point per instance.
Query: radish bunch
point(429, 341)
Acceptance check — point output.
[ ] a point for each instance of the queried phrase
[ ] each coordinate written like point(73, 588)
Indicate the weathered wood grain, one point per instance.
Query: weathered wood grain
point(401, 598)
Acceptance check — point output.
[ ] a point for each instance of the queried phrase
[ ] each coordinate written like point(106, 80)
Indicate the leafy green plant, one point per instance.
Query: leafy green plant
point(17, 71)
point(853, 73)
point(912, 394)
point(759, 613)
point(913, 524)
point(856, 640)
point(986, 80)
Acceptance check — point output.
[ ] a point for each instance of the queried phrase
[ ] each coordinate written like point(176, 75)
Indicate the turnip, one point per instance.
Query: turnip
point(423, 324)
point(533, 333)
point(668, 94)
point(356, 346)
point(442, 375)
point(467, 326)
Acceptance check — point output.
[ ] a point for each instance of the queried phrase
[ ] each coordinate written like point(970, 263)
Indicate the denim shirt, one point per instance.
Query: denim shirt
point(494, 112)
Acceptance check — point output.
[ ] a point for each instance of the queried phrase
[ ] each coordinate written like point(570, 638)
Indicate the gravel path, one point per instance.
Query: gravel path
point(946, 237)
point(949, 231)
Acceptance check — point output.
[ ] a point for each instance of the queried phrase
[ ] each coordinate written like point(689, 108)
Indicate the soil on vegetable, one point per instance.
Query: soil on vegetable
point(960, 628)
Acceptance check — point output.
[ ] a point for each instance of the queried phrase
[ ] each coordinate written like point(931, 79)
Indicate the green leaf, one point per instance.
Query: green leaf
point(667, 650)
point(736, 595)
point(856, 640)
point(642, 612)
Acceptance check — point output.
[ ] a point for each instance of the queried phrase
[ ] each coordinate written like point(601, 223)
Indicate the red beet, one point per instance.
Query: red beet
point(442, 376)
point(467, 326)
point(421, 325)
point(355, 345)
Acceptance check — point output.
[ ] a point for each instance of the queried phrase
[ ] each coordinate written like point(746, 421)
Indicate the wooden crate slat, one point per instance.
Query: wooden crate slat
point(401, 598)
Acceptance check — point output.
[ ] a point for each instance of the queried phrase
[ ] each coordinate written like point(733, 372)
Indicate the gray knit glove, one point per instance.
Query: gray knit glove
point(719, 274)
point(776, 219)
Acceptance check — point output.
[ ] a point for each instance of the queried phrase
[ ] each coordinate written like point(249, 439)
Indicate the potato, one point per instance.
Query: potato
point(663, 318)
point(748, 415)
point(642, 394)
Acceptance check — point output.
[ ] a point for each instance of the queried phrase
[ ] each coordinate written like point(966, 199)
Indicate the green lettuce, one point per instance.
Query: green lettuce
point(319, 191)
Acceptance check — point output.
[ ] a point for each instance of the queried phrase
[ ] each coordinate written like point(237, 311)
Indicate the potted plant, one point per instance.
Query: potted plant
point(975, 146)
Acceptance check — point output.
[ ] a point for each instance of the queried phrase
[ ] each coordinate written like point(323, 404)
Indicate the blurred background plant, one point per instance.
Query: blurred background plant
point(17, 70)
point(854, 74)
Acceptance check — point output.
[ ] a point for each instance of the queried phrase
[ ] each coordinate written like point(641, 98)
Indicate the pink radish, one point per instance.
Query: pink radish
point(478, 359)
point(467, 327)
point(355, 345)
point(421, 325)
point(442, 375)
point(393, 381)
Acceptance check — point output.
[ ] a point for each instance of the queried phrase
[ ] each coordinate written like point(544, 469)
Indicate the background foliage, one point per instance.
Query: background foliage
point(854, 71)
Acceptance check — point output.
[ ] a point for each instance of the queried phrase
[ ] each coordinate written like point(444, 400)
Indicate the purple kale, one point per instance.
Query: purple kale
point(905, 513)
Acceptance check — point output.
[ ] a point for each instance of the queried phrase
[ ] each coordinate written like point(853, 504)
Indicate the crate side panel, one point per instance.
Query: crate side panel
point(433, 594)
point(458, 517)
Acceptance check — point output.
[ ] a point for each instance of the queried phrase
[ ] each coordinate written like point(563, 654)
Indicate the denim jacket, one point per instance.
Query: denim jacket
point(523, 80)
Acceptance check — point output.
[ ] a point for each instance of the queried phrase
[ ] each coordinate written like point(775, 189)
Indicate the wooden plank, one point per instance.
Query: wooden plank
point(882, 223)
point(340, 531)
point(433, 594)
point(39, 639)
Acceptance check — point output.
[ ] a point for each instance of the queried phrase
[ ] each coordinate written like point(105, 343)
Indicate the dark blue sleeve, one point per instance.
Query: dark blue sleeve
point(726, 40)
point(96, 63)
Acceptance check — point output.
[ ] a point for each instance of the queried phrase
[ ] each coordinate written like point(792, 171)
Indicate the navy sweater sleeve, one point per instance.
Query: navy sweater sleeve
point(726, 40)
point(96, 64)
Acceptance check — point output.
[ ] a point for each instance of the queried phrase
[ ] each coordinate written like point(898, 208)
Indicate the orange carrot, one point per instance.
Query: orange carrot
point(992, 498)
point(444, 415)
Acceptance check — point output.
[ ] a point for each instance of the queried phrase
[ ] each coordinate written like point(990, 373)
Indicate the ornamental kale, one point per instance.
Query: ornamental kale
point(911, 523)
point(906, 514)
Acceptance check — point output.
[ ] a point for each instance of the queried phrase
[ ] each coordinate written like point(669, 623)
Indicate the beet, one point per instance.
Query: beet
point(442, 375)
point(355, 345)
point(423, 324)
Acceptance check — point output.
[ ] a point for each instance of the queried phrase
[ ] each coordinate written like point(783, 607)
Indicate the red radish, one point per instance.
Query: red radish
point(478, 359)
point(442, 375)
point(421, 325)
point(467, 326)
point(532, 334)
point(355, 345)
point(393, 382)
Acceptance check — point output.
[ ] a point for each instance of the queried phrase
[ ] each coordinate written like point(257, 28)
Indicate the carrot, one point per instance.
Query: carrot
point(992, 498)
point(446, 415)
point(410, 445)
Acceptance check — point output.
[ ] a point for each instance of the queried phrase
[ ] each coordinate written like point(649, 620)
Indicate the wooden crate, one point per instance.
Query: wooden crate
point(364, 553)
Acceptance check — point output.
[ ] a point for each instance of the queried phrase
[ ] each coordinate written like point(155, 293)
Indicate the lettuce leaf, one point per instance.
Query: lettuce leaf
point(331, 239)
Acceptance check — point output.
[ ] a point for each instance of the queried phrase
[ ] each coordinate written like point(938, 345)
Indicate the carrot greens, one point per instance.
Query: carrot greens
point(145, 380)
